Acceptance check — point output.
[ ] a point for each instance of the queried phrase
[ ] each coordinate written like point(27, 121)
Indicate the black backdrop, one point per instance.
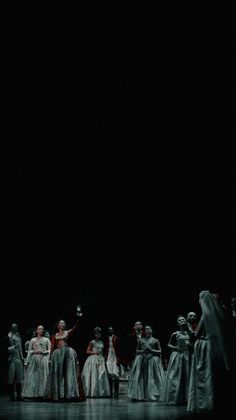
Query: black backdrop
point(121, 166)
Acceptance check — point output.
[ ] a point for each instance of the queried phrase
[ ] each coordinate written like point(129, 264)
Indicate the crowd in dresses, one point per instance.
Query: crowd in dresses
point(199, 372)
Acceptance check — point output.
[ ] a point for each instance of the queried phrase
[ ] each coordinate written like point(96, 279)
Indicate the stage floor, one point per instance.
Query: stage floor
point(92, 409)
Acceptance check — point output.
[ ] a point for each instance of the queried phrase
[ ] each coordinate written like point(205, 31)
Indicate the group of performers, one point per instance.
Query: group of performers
point(200, 367)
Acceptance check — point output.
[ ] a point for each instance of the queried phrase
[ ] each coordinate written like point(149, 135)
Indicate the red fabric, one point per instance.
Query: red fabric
point(194, 326)
point(117, 347)
point(53, 343)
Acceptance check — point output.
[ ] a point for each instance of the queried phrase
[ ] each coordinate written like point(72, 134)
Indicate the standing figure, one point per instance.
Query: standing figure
point(212, 359)
point(147, 373)
point(37, 362)
point(192, 327)
point(192, 321)
point(175, 391)
point(13, 348)
point(64, 381)
point(95, 374)
point(113, 354)
point(132, 341)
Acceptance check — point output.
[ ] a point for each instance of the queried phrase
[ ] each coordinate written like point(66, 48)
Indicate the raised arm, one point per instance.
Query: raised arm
point(75, 327)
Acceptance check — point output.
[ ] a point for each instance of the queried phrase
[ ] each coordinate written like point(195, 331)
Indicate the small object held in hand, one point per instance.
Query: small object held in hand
point(78, 309)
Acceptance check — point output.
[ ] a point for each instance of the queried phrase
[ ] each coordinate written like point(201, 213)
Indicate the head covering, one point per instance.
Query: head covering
point(216, 328)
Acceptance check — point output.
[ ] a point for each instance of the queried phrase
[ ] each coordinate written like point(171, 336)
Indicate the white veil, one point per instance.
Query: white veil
point(216, 327)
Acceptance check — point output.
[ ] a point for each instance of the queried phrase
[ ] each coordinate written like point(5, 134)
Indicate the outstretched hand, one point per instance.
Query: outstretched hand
point(78, 309)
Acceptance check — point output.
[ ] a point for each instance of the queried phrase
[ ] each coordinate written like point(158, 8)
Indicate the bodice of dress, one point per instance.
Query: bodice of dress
point(97, 346)
point(150, 342)
point(182, 339)
point(39, 344)
point(61, 340)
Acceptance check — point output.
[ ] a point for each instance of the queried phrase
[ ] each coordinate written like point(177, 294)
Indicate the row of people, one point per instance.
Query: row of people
point(147, 380)
point(202, 367)
point(40, 350)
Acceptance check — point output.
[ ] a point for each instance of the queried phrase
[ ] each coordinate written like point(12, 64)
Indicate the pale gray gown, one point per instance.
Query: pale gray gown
point(175, 391)
point(37, 368)
point(147, 374)
point(63, 379)
point(212, 359)
point(201, 395)
point(95, 374)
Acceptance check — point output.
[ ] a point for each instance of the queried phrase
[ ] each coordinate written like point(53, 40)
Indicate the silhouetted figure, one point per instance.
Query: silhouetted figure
point(192, 321)
point(13, 349)
point(131, 343)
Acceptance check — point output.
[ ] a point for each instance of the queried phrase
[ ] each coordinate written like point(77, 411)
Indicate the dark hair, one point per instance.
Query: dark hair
point(97, 330)
point(149, 326)
point(55, 326)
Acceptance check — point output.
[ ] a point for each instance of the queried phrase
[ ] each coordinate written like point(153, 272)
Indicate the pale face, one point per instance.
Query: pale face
point(61, 324)
point(138, 326)
point(181, 321)
point(14, 328)
point(40, 330)
point(148, 330)
point(110, 331)
point(192, 317)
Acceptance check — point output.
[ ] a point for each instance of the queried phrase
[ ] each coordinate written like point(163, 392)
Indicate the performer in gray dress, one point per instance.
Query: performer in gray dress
point(175, 391)
point(147, 373)
point(212, 359)
point(37, 362)
point(64, 381)
point(95, 374)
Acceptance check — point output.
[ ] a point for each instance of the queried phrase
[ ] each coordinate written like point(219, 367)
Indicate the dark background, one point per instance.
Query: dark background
point(121, 166)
